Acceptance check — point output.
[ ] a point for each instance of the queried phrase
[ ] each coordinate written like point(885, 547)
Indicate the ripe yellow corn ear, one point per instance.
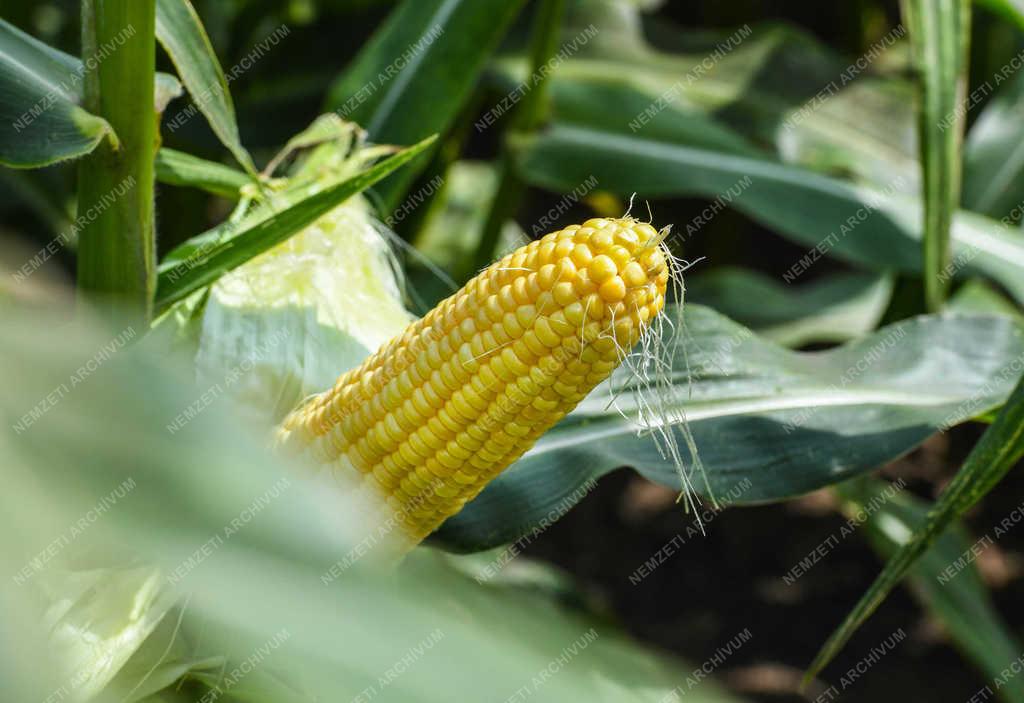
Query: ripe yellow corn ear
point(436, 413)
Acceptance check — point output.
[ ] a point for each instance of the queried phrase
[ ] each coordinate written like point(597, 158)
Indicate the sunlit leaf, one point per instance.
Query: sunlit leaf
point(994, 152)
point(180, 31)
point(877, 229)
point(181, 169)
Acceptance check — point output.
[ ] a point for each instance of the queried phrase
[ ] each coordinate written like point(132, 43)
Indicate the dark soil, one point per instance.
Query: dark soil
point(713, 587)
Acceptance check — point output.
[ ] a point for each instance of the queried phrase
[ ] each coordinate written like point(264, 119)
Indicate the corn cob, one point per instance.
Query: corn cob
point(436, 413)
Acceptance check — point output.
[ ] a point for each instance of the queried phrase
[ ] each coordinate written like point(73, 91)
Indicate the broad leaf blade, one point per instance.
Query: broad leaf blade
point(993, 456)
point(181, 32)
point(40, 120)
point(230, 247)
point(877, 229)
point(417, 72)
point(785, 422)
point(769, 85)
point(939, 37)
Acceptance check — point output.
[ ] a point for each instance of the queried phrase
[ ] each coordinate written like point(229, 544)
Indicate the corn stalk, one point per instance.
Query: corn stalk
point(115, 186)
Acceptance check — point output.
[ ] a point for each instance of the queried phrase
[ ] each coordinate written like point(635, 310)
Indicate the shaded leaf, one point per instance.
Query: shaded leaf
point(992, 457)
point(838, 308)
point(1011, 10)
point(768, 87)
point(418, 70)
point(961, 602)
point(977, 296)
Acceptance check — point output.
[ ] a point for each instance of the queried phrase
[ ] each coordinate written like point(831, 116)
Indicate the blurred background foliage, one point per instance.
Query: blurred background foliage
point(480, 191)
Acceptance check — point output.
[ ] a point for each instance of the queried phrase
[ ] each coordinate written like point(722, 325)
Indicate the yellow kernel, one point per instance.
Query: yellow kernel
point(523, 352)
point(633, 275)
point(583, 285)
point(601, 241)
point(566, 269)
point(466, 356)
point(602, 268)
point(517, 430)
point(520, 291)
point(564, 293)
point(452, 375)
point(511, 325)
point(526, 315)
point(533, 343)
point(493, 307)
point(546, 251)
point(581, 255)
point(627, 238)
point(612, 290)
point(621, 256)
point(574, 313)
point(512, 361)
point(507, 299)
point(547, 336)
point(546, 276)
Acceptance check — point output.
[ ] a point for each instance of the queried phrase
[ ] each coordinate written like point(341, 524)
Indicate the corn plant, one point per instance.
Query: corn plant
point(309, 379)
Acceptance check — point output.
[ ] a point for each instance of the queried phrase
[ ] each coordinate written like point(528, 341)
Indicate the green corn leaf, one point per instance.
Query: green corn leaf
point(41, 121)
point(977, 296)
point(231, 245)
point(993, 456)
point(874, 228)
point(181, 32)
point(418, 70)
point(833, 113)
point(960, 600)
point(994, 152)
point(181, 169)
point(837, 308)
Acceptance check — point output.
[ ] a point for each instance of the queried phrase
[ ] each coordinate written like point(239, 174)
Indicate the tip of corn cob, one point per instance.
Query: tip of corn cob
point(436, 413)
